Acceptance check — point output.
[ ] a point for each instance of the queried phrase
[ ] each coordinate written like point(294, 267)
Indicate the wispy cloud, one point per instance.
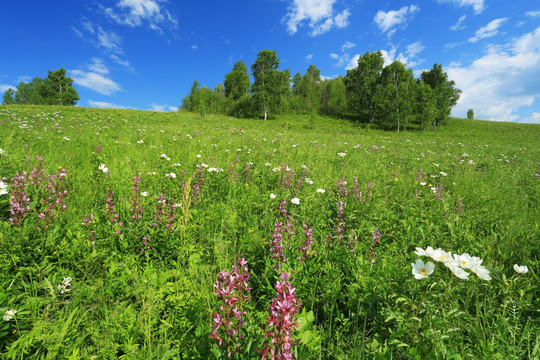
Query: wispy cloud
point(5, 87)
point(138, 12)
point(124, 63)
point(489, 30)
point(94, 81)
point(106, 105)
point(163, 108)
point(477, 5)
point(348, 45)
point(533, 14)
point(98, 66)
point(501, 82)
point(389, 21)
point(319, 13)
point(459, 25)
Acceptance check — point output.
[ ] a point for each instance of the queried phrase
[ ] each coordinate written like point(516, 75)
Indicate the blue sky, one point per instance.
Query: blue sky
point(145, 54)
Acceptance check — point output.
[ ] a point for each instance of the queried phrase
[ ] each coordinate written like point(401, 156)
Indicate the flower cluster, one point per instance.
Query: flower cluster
point(3, 188)
point(456, 263)
point(87, 222)
point(9, 314)
point(281, 321)
point(233, 291)
point(307, 243)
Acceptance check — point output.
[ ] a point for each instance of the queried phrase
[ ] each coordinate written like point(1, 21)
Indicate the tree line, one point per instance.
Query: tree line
point(55, 89)
point(388, 96)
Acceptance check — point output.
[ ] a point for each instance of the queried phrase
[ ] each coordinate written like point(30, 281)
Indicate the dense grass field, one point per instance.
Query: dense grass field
point(142, 235)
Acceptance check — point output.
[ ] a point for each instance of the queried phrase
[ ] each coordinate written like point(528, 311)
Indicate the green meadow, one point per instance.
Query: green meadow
point(123, 235)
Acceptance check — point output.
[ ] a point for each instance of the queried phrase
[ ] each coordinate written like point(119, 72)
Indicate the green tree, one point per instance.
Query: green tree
point(270, 86)
point(395, 96)
point(9, 97)
point(59, 89)
point(189, 102)
point(445, 93)
point(333, 97)
point(424, 108)
point(237, 81)
point(307, 90)
point(470, 114)
point(361, 84)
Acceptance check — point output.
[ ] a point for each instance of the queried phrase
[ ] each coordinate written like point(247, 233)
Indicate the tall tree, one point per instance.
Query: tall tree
point(270, 85)
point(395, 96)
point(237, 81)
point(333, 97)
point(59, 88)
point(9, 97)
point(361, 84)
point(308, 89)
point(444, 91)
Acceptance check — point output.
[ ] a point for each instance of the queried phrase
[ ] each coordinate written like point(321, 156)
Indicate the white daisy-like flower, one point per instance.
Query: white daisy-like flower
point(440, 255)
point(144, 193)
point(309, 181)
point(65, 286)
point(481, 272)
point(523, 269)
point(295, 201)
point(103, 168)
point(421, 270)
point(321, 191)
point(467, 261)
point(9, 314)
point(272, 196)
point(341, 154)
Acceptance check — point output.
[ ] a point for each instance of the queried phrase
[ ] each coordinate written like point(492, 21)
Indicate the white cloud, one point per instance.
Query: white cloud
point(533, 14)
point(194, 47)
point(459, 25)
point(414, 49)
point(348, 45)
point(163, 108)
point(309, 57)
point(125, 63)
point(4, 88)
point(98, 66)
point(109, 40)
point(502, 81)
point(389, 21)
point(341, 59)
point(477, 5)
point(107, 105)
point(136, 12)
point(353, 63)
point(489, 30)
point(320, 14)
point(94, 81)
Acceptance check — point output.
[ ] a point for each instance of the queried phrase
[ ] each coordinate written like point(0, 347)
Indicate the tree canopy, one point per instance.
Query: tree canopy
point(55, 89)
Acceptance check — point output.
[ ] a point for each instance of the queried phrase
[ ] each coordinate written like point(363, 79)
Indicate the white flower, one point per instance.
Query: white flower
point(171, 175)
point(341, 154)
point(443, 173)
point(272, 196)
point(1, 152)
point(103, 168)
point(440, 255)
point(433, 189)
point(436, 165)
point(467, 261)
point(198, 155)
point(457, 270)
point(428, 252)
point(140, 142)
point(309, 181)
point(3, 188)
point(481, 272)
point(521, 269)
point(295, 201)
point(421, 270)
point(321, 191)
point(423, 183)
point(471, 162)
point(66, 138)
point(164, 156)
point(10, 314)
point(144, 193)
point(65, 286)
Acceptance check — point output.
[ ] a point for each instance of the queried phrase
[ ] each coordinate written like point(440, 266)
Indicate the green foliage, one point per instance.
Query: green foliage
point(470, 114)
point(55, 89)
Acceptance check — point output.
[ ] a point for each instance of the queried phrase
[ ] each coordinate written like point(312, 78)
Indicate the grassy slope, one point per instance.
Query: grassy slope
point(141, 308)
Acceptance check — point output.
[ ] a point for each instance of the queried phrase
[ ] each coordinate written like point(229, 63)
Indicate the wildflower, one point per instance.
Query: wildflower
point(443, 173)
point(140, 142)
point(272, 196)
point(295, 201)
point(144, 193)
point(341, 154)
point(103, 168)
point(423, 183)
point(3, 188)
point(321, 191)
point(421, 270)
point(309, 181)
point(521, 269)
point(481, 272)
point(9, 314)
point(1, 152)
point(466, 261)
point(65, 286)
point(457, 270)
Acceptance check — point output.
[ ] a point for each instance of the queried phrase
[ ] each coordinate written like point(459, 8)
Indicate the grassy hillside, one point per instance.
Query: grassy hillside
point(118, 224)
